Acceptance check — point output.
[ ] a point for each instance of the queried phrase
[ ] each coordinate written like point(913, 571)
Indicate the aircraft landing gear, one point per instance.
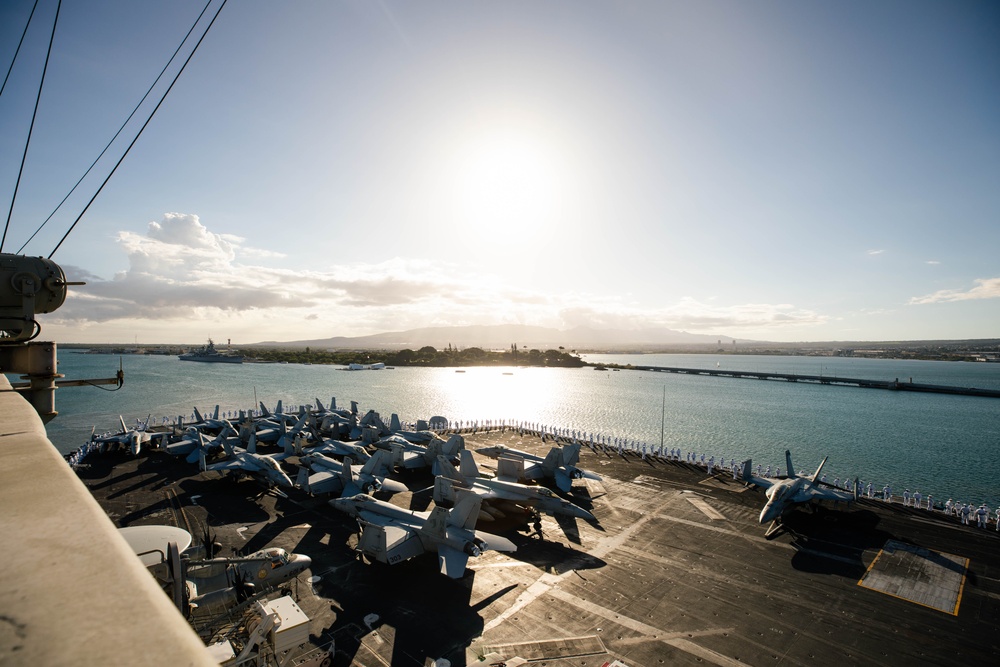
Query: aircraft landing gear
point(775, 528)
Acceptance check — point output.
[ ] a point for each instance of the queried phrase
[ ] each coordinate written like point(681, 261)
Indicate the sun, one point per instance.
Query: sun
point(507, 183)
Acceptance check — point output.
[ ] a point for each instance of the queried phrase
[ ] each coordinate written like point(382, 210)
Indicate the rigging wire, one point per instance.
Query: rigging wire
point(34, 114)
point(139, 133)
point(18, 49)
point(120, 129)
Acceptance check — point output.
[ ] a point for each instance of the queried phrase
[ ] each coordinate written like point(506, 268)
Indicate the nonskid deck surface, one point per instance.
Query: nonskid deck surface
point(676, 572)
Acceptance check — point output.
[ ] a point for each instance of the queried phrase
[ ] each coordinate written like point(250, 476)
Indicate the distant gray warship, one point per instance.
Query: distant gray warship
point(210, 354)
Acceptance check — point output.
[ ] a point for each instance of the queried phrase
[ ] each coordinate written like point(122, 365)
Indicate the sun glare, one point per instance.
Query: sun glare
point(507, 184)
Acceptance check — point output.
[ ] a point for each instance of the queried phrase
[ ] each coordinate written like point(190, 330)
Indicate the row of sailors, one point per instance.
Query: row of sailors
point(622, 445)
point(965, 511)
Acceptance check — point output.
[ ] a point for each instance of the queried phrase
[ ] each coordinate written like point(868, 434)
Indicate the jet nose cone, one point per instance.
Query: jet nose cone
point(769, 513)
point(302, 562)
point(343, 504)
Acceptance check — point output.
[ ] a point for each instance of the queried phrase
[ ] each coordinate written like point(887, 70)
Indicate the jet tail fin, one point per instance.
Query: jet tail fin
point(815, 477)
point(446, 469)
point(790, 469)
point(347, 474)
point(552, 460)
point(468, 466)
point(444, 490)
point(571, 454)
point(197, 416)
point(746, 474)
point(378, 465)
point(466, 511)
point(455, 444)
point(225, 445)
point(302, 479)
point(288, 445)
point(437, 523)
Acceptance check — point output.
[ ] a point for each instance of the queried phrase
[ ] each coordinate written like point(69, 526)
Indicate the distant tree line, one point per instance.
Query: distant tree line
point(425, 356)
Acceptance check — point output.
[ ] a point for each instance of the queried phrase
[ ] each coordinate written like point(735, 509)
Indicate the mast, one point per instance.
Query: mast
point(663, 414)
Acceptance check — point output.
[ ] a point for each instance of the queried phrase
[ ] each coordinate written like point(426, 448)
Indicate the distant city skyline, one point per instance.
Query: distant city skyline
point(774, 171)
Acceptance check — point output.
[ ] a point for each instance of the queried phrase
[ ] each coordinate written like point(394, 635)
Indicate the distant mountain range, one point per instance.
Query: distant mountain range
point(502, 336)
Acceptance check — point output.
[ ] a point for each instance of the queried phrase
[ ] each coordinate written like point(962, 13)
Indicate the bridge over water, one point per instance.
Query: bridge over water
point(893, 385)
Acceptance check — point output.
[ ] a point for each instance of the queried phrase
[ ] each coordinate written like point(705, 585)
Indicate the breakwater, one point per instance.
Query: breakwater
point(893, 385)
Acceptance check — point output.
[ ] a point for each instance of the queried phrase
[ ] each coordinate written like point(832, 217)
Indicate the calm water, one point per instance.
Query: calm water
point(945, 445)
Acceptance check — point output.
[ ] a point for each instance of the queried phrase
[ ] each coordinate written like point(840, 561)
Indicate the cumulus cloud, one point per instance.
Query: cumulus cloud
point(985, 288)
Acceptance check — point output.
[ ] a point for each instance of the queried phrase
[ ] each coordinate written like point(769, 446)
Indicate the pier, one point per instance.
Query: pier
point(893, 385)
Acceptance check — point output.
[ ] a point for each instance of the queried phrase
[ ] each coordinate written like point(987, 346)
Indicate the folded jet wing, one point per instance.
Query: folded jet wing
point(499, 495)
point(390, 534)
point(558, 465)
point(247, 461)
point(340, 478)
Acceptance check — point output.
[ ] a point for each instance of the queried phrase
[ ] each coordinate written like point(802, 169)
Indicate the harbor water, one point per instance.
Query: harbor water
point(944, 445)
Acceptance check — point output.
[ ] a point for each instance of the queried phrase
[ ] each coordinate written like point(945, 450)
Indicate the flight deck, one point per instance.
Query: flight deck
point(676, 570)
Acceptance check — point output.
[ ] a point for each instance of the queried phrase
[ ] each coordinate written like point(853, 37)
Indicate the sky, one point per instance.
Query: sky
point(773, 170)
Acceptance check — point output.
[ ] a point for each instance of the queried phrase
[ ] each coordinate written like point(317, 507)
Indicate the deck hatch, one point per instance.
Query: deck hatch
point(919, 575)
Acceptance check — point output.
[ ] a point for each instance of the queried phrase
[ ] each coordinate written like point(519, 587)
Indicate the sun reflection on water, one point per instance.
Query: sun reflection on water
point(513, 394)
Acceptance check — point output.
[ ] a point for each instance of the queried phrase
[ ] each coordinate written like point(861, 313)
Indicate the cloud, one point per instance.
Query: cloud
point(932, 262)
point(182, 277)
point(985, 288)
point(875, 252)
point(691, 315)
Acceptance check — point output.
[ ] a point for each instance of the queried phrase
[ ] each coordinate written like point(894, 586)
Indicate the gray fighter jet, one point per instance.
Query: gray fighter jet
point(333, 447)
point(391, 535)
point(204, 446)
point(785, 493)
point(209, 424)
point(265, 468)
point(499, 496)
point(129, 439)
point(559, 465)
point(331, 476)
point(409, 456)
point(418, 437)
